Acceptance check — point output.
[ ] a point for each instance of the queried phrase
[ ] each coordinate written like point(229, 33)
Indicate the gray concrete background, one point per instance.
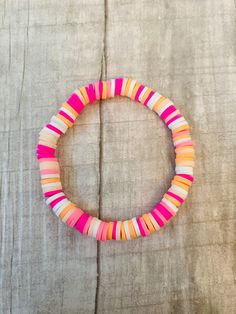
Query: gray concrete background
point(118, 159)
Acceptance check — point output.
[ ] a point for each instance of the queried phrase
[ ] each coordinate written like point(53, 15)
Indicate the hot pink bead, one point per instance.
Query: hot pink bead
point(148, 98)
point(140, 227)
point(157, 218)
point(118, 86)
point(56, 201)
point(186, 176)
point(178, 198)
point(66, 116)
point(167, 112)
point(75, 102)
point(173, 119)
point(51, 193)
point(164, 211)
point(81, 222)
point(114, 230)
point(140, 89)
point(53, 128)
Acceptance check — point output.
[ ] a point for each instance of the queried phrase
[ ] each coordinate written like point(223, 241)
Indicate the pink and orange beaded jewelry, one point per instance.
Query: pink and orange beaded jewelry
point(74, 216)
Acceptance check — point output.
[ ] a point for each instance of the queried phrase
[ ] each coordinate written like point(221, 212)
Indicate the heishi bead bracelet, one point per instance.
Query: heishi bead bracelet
point(74, 216)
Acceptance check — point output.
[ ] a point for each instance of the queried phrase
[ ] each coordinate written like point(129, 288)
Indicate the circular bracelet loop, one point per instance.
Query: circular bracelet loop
point(74, 216)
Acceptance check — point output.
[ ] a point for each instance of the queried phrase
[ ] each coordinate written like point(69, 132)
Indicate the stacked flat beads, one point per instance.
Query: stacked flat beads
point(74, 216)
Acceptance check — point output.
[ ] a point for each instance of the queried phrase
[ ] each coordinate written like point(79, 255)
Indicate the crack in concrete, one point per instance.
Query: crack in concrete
point(26, 48)
point(103, 75)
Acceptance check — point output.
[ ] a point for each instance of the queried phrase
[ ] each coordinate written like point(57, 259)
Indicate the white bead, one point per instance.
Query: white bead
point(132, 85)
point(184, 170)
point(153, 100)
point(112, 87)
point(62, 128)
point(142, 93)
point(50, 175)
point(136, 227)
point(54, 197)
point(179, 189)
point(97, 223)
point(118, 225)
point(52, 184)
point(168, 203)
point(126, 227)
point(62, 124)
point(62, 206)
point(68, 112)
point(58, 205)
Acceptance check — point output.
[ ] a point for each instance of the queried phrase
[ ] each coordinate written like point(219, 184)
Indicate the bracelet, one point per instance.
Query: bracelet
point(74, 216)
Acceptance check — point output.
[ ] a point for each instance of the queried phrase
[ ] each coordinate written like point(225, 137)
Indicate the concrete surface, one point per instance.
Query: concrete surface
point(118, 159)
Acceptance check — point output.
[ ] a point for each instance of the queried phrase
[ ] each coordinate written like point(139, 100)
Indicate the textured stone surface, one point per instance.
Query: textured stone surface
point(118, 159)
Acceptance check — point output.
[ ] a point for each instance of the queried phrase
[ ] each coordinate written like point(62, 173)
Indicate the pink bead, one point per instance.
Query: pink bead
point(81, 222)
point(140, 227)
point(157, 218)
point(96, 85)
point(144, 226)
point(180, 133)
point(100, 229)
point(187, 143)
point(51, 193)
point(71, 221)
point(75, 102)
point(114, 230)
point(170, 210)
point(108, 89)
point(66, 116)
point(48, 159)
point(148, 98)
point(56, 201)
point(173, 119)
point(44, 148)
point(104, 232)
point(53, 128)
point(87, 225)
point(118, 86)
point(161, 208)
point(186, 176)
point(140, 89)
point(179, 199)
point(167, 112)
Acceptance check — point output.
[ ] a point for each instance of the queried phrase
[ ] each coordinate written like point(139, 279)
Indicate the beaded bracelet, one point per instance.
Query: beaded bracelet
point(74, 216)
